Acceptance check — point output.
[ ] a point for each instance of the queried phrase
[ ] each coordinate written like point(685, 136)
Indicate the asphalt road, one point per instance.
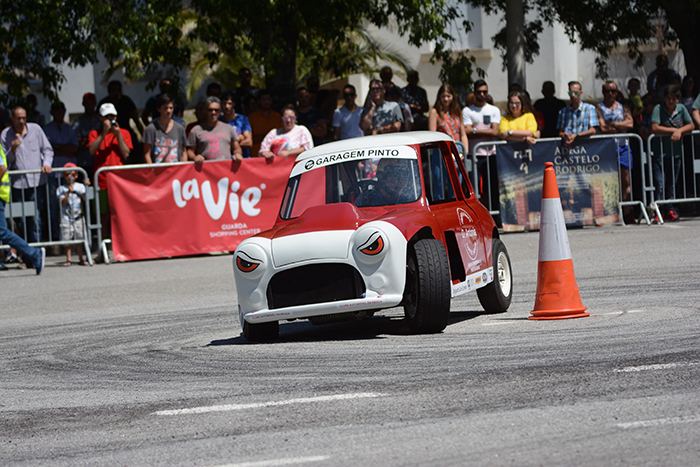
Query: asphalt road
point(143, 364)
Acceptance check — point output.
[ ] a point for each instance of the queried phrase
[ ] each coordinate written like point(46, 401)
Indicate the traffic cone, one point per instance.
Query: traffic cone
point(557, 291)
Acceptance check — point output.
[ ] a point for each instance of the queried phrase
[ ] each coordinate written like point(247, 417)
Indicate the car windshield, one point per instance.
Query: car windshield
point(377, 181)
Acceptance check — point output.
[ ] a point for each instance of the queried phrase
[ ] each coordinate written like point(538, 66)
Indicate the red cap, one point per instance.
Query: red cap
point(70, 164)
point(88, 96)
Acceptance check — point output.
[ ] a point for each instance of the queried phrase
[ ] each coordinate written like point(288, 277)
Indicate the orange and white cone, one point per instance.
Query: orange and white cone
point(557, 291)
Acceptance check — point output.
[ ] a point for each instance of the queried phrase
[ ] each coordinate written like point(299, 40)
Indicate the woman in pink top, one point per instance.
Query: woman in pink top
point(290, 140)
point(446, 116)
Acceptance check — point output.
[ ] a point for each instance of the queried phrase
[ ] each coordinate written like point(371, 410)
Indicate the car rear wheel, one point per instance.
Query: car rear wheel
point(495, 297)
point(428, 293)
point(263, 332)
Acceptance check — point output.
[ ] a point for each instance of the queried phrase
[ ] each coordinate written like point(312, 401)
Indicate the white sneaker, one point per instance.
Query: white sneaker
point(40, 267)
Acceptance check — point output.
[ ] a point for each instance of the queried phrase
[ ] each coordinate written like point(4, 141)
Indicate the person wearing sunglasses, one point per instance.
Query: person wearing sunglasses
point(290, 140)
point(578, 118)
point(213, 139)
point(615, 117)
point(346, 120)
point(381, 115)
point(481, 121)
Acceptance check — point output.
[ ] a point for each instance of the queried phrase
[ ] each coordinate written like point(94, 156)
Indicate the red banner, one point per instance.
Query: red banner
point(184, 210)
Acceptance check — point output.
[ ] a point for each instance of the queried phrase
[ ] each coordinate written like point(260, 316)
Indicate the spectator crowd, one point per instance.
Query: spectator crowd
point(244, 122)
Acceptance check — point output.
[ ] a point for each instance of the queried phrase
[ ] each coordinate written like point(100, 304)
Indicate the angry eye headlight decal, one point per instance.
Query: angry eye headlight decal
point(245, 265)
point(370, 245)
point(250, 261)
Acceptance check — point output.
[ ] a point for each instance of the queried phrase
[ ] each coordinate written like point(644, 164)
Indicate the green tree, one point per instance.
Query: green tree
point(275, 33)
point(38, 36)
point(367, 53)
point(601, 25)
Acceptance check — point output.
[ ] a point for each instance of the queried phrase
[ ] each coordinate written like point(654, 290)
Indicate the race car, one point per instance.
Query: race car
point(368, 224)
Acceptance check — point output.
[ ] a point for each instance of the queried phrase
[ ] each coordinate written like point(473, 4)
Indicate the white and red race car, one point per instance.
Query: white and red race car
point(372, 223)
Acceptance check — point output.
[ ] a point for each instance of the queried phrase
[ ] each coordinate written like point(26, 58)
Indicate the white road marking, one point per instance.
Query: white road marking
point(660, 422)
point(496, 323)
point(658, 366)
point(278, 462)
point(620, 312)
point(231, 407)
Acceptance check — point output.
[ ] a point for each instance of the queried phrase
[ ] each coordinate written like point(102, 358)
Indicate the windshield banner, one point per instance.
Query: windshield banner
point(182, 210)
point(391, 152)
point(587, 175)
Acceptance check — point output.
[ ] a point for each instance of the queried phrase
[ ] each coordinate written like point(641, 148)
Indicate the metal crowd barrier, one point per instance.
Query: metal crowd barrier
point(28, 209)
point(98, 225)
point(486, 189)
point(687, 166)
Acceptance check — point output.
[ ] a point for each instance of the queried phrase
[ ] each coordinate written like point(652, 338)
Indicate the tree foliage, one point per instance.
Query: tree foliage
point(139, 36)
point(276, 32)
point(601, 25)
point(38, 36)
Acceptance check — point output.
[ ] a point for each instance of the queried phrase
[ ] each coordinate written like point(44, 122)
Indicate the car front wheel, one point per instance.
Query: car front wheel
point(263, 332)
point(428, 293)
point(495, 297)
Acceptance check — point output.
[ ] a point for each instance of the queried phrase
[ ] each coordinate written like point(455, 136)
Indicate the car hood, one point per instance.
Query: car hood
point(321, 232)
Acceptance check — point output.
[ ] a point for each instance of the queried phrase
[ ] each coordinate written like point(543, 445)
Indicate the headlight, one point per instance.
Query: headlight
point(370, 245)
point(250, 261)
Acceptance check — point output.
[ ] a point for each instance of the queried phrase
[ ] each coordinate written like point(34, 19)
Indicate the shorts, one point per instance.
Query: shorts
point(72, 229)
point(625, 157)
point(104, 202)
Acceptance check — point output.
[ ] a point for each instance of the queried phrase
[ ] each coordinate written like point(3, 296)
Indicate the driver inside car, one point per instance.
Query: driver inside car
point(396, 184)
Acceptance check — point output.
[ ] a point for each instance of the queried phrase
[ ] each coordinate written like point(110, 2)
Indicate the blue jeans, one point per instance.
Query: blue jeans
point(33, 222)
point(8, 237)
point(665, 178)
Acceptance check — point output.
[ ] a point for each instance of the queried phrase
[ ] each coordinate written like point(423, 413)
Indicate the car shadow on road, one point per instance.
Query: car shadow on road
point(374, 328)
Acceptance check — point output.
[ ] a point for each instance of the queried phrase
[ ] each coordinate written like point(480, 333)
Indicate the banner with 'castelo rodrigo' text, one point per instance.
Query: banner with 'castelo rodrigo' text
point(182, 210)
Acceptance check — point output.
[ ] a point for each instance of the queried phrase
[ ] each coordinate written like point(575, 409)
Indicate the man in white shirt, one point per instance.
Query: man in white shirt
point(481, 121)
point(346, 120)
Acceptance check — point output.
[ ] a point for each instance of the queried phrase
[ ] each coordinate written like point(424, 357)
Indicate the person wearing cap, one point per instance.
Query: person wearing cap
point(110, 146)
point(37, 256)
point(126, 108)
point(83, 125)
point(72, 196)
point(27, 148)
point(64, 142)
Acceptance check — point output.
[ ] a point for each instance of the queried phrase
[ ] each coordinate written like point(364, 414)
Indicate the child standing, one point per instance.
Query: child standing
point(71, 196)
point(635, 100)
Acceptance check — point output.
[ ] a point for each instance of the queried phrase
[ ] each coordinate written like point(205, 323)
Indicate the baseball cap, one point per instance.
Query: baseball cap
point(89, 97)
point(70, 164)
point(107, 109)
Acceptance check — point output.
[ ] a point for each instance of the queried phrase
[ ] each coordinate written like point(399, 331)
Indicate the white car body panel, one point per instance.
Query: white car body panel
point(384, 276)
point(329, 245)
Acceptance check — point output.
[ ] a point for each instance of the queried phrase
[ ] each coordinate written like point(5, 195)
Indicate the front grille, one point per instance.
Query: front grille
point(315, 283)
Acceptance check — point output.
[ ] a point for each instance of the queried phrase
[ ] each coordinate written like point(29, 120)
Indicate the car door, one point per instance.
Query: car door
point(447, 199)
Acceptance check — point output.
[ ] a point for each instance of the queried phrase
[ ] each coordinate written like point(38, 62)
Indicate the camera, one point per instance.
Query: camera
point(113, 122)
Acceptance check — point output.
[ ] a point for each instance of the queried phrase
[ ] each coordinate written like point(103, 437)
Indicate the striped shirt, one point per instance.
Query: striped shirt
point(577, 121)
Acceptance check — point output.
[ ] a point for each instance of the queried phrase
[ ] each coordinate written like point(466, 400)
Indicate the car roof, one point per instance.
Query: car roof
point(368, 142)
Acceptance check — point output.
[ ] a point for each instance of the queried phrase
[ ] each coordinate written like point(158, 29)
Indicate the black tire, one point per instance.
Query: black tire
point(263, 332)
point(428, 292)
point(496, 297)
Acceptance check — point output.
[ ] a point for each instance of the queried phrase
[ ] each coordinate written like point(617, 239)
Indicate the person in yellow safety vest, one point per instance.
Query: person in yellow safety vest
point(37, 256)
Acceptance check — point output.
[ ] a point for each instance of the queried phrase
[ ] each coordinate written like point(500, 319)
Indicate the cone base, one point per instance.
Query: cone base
point(562, 316)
